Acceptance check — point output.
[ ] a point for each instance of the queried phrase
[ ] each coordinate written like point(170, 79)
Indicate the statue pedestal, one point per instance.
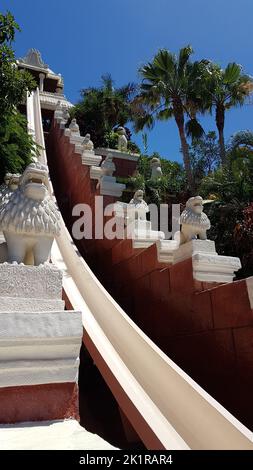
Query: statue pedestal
point(39, 340)
point(110, 187)
point(142, 234)
point(90, 159)
point(207, 265)
point(30, 288)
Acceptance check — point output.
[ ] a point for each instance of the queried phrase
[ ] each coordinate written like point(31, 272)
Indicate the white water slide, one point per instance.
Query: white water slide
point(174, 408)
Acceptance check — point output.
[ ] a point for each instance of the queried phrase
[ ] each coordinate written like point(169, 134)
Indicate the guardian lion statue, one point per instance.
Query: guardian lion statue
point(137, 207)
point(29, 218)
point(11, 182)
point(156, 170)
point(88, 144)
point(122, 139)
point(108, 166)
point(193, 220)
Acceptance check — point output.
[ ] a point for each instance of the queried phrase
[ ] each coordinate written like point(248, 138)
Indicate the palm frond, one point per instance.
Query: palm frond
point(194, 129)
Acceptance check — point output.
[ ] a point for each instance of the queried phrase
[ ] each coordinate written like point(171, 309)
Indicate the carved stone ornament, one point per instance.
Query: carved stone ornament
point(29, 218)
point(74, 128)
point(108, 167)
point(11, 182)
point(156, 170)
point(42, 282)
point(193, 220)
point(88, 144)
point(122, 139)
point(33, 57)
point(138, 208)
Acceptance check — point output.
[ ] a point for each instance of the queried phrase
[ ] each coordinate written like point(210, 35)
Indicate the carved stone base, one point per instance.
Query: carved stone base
point(142, 234)
point(166, 250)
point(30, 288)
point(95, 172)
point(109, 186)
point(90, 159)
point(214, 268)
point(208, 266)
point(189, 249)
point(39, 348)
point(117, 154)
point(39, 341)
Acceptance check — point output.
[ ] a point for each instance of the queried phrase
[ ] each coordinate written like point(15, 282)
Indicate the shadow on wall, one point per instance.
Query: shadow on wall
point(98, 409)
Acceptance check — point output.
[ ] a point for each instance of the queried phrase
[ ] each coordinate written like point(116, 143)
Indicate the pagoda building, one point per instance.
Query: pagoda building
point(50, 85)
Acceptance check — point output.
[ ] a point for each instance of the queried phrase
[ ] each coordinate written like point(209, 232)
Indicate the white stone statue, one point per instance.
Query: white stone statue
point(193, 220)
point(11, 182)
point(138, 208)
point(107, 165)
point(5, 185)
point(65, 114)
point(74, 128)
point(14, 181)
point(62, 112)
point(88, 144)
point(156, 170)
point(122, 139)
point(29, 218)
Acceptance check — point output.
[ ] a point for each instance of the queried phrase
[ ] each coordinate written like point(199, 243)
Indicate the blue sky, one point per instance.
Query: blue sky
point(83, 39)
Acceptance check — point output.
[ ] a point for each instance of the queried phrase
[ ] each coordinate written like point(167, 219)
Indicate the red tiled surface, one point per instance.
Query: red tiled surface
point(231, 306)
point(195, 323)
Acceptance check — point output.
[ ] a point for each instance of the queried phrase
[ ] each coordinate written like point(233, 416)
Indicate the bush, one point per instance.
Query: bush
point(16, 146)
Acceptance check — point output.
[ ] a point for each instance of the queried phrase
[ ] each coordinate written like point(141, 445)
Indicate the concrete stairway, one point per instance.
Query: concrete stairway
point(194, 322)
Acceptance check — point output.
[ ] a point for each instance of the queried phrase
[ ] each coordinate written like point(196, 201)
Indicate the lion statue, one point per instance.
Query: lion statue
point(4, 188)
point(156, 170)
point(88, 144)
point(11, 182)
point(193, 220)
point(108, 166)
point(29, 218)
point(137, 207)
point(122, 139)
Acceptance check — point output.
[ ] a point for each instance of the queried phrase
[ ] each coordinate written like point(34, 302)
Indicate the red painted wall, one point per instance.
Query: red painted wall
point(38, 402)
point(207, 329)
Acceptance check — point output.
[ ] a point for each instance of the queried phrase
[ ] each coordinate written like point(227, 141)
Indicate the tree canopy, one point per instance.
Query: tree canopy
point(103, 108)
point(16, 146)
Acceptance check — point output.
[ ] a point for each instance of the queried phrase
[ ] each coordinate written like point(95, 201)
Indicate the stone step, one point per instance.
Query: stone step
point(50, 435)
point(39, 348)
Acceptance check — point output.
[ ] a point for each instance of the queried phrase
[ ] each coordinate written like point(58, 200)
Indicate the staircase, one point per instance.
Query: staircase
point(164, 405)
point(203, 326)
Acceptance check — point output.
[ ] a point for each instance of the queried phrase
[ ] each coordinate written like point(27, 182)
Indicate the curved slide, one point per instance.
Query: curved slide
point(165, 406)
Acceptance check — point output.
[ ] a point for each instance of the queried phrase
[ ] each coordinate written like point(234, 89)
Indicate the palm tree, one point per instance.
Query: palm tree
point(222, 89)
point(102, 108)
point(242, 138)
point(168, 90)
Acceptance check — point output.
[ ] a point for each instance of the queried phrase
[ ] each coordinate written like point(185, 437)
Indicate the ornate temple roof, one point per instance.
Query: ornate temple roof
point(33, 60)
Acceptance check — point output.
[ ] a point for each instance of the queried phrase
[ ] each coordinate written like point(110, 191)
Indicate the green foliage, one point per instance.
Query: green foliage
point(204, 154)
point(13, 83)
point(8, 26)
point(15, 145)
point(169, 90)
point(243, 239)
point(242, 138)
point(231, 213)
point(111, 141)
point(220, 89)
point(160, 190)
point(232, 181)
point(168, 83)
point(103, 108)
